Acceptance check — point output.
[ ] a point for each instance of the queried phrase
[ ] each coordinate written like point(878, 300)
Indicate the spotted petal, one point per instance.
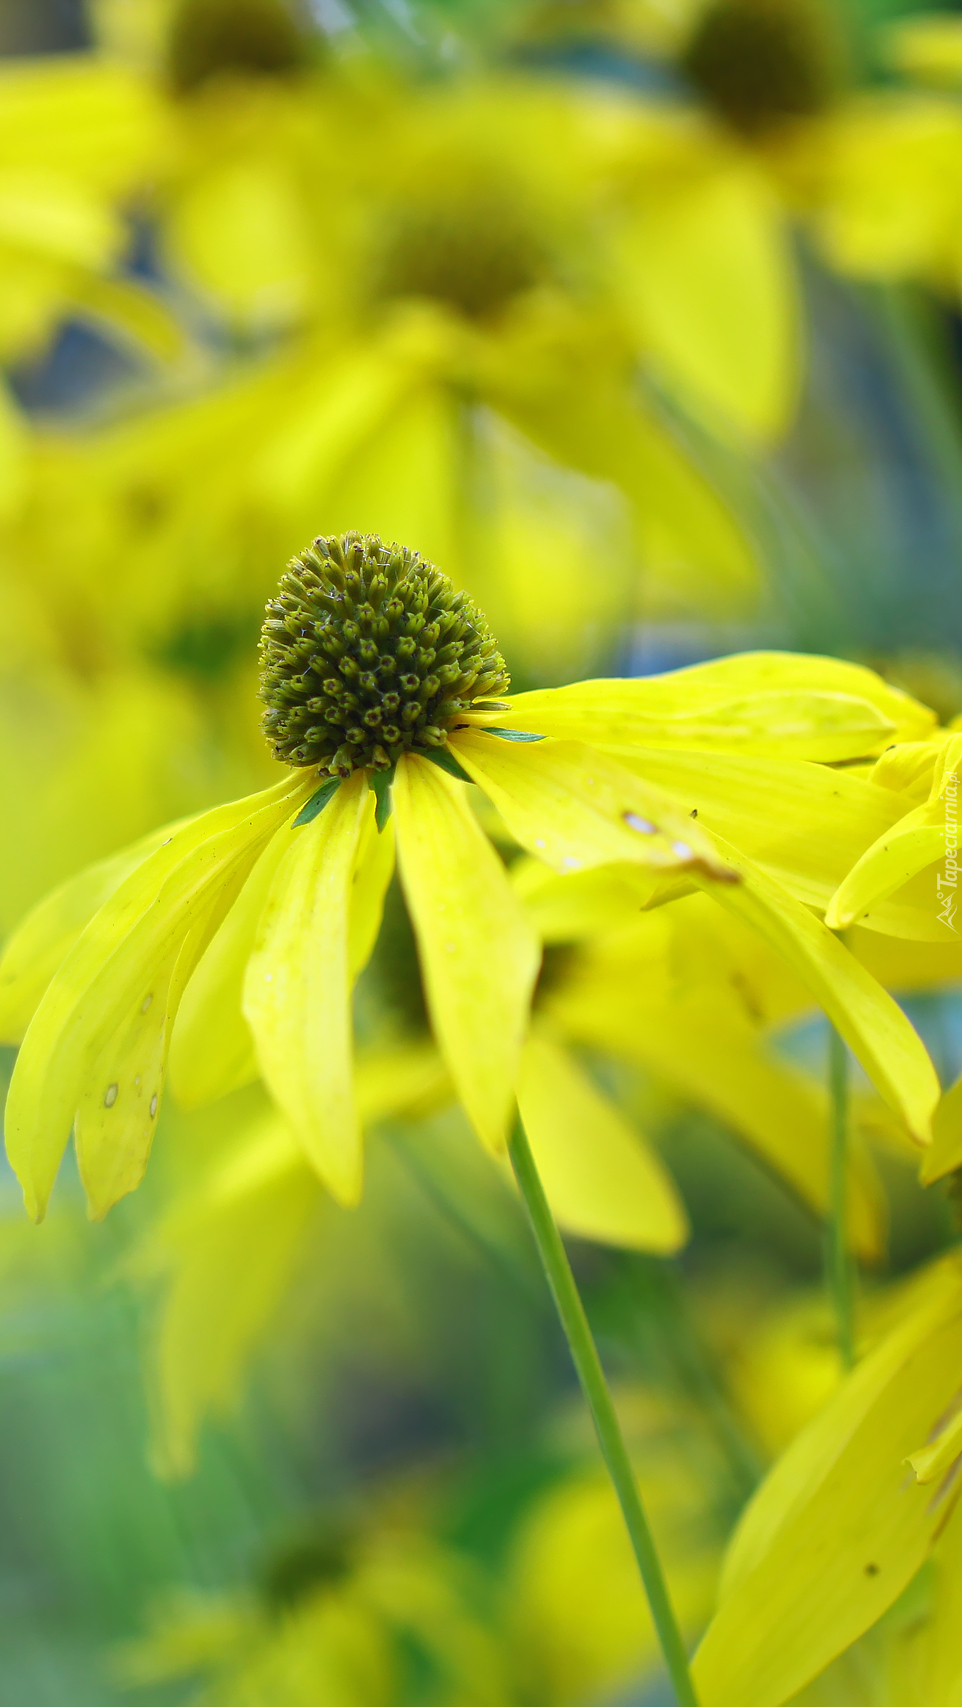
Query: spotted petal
point(96, 1046)
point(840, 1526)
point(577, 808)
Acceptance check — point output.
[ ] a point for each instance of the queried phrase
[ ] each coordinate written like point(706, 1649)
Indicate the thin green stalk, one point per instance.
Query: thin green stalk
point(838, 1263)
point(584, 1353)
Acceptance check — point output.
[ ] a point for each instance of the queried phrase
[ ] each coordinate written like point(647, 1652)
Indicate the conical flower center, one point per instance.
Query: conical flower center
point(247, 37)
point(761, 63)
point(470, 243)
point(368, 652)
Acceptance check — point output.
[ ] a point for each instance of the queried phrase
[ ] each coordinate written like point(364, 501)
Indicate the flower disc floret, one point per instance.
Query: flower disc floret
point(367, 652)
point(764, 63)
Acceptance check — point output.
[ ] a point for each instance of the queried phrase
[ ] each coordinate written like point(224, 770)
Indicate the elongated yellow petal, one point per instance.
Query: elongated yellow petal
point(706, 267)
point(374, 866)
point(602, 1179)
point(946, 1152)
point(212, 1049)
point(479, 956)
point(96, 1046)
point(840, 1526)
point(297, 992)
point(805, 824)
point(936, 1460)
point(39, 945)
point(574, 807)
point(872, 1024)
point(584, 903)
point(767, 703)
point(230, 1253)
point(708, 1053)
point(885, 866)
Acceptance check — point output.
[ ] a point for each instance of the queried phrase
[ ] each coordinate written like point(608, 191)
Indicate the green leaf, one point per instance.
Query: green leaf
point(317, 802)
point(381, 788)
point(445, 761)
point(514, 734)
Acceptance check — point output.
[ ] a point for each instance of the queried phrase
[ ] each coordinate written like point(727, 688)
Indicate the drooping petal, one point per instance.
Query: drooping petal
point(212, 1049)
point(575, 807)
point(602, 1179)
point(706, 275)
point(96, 1046)
point(805, 824)
point(927, 834)
point(479, 955)
point(946, 1152)
point(705, 1050)
point(839, 1526)
point(297, 992)
point(229, 1252)
point(885, 867)
point(872, 1024)
point(779, 704)
point(372, 874)
point(43, 939)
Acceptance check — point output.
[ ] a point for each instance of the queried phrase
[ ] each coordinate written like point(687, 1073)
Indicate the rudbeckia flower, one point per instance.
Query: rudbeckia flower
point(383, 695)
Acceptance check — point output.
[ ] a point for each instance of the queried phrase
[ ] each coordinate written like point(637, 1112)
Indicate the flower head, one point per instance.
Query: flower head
point(252, 38)
point(368, 652)
point(763, 63)
point(261, 913)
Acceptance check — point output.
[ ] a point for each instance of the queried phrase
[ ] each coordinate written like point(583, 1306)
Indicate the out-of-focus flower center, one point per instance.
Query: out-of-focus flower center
point(209, 38)
point(762, 63)
point(368, 652)
point(469, 242)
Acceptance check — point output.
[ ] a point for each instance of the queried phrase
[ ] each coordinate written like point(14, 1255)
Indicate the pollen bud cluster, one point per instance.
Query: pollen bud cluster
point(367, 652)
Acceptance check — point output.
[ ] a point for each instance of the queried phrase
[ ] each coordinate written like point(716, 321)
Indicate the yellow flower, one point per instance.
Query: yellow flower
point(339, 1610)
point(849, 1513)
point(378, 679)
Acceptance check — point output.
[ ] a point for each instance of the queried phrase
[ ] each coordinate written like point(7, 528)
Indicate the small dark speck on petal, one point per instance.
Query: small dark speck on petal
point(872, 1570)
point(694, 812)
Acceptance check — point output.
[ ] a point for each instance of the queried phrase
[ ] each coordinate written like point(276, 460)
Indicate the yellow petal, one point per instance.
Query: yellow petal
point(839, 1526)
point(575, 807)
point(602, 1179)
point(871, 1023)
point(584, 903)
point(707, 277)
point(937, 1459)
point(230, 1253)
point(929, 48)
point(212, 1049)
point(946, 1152)
point(704, 1048)
point(96, 1046)
point(890, 862)
point(297, 993)
point(804, 824)
point(767, 703)
point(927, 834)
point(479, 956)
point(375, 864)
point(39, 945)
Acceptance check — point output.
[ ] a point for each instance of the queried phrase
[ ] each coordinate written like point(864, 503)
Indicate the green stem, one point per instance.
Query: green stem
point(838, 1262)
point(595, 1388)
